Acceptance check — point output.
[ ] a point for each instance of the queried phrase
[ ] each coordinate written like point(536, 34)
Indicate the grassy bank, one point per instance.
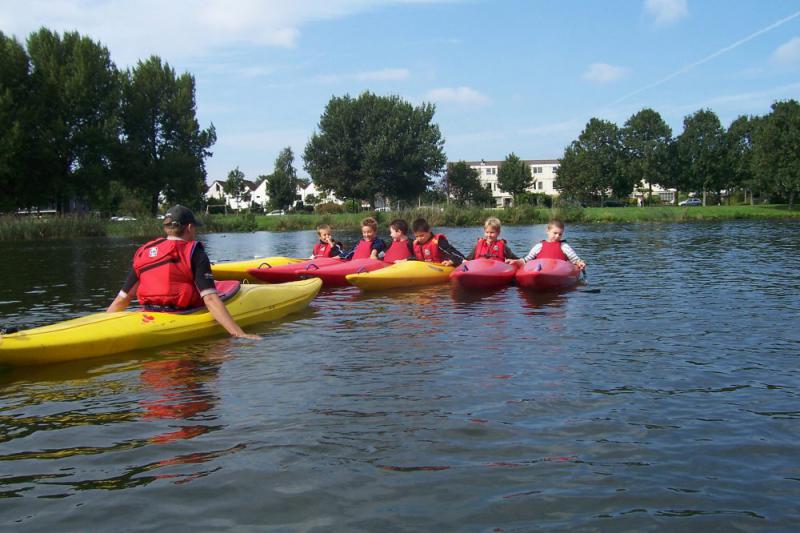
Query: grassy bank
point(18, 229)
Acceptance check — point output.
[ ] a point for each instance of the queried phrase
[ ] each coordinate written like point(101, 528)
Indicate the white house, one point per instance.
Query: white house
point(322, 197)
point(260, 196)
point(542, 170)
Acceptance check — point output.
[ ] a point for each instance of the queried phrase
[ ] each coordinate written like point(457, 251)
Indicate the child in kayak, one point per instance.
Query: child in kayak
point(552, 248)
point(433, 248)
point(490, 246)
point(327, 246)
point(370, 245)
point(401, 247)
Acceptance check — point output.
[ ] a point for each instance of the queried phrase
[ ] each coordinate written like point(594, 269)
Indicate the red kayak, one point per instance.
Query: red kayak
point(483, 274)
point(285, 273)
point(547, 274)
point(334, 275)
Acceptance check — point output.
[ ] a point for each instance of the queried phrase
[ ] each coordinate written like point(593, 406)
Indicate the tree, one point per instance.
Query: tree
point(236, 186)
point(14, 122)
point(594, 164)
point(375, 145)
point(164, 149)
point(514, 175)
point(282, 183)
point(461, 182)
point(739, 147)
point(776, 149)
point(646, 138)
point(701, 149)
point(75, 101)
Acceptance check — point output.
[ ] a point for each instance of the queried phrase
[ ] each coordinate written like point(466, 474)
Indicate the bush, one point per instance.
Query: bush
point(329, 208)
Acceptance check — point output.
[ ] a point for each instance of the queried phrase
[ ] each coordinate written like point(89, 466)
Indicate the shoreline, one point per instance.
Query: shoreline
point(27, 229)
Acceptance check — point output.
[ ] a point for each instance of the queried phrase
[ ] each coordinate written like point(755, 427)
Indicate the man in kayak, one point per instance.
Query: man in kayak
point(552, 248)
point(433, 248)
point(491, 246)
point(173, 273)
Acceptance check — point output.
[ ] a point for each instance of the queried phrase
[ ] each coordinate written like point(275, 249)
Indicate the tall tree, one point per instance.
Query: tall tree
point(14, 123)
point(164, 147)
point(282, 183)
point(514, 176)
point(375, 145)
point(739, 147)
point(701, 148)
point(646, 138)
point(462, 183)
point(76, 98)
point(594, 164)
point(776, 149)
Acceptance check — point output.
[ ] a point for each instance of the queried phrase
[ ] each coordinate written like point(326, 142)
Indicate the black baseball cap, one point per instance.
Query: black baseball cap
point(180, 216)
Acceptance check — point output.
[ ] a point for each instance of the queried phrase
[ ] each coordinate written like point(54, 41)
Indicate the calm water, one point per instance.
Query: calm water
point(669, 400)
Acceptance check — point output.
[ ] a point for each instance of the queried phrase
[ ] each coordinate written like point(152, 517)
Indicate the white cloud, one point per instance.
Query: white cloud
point(788, 53)
point(458, 95)
point(604, 73)
point(178, 29)
point(666, 11)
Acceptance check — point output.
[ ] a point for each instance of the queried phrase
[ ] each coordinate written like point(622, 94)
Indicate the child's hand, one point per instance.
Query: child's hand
point(581, 265)
point(517, 262)
point(447, 263)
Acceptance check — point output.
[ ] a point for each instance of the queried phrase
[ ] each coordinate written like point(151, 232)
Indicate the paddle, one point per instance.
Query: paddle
point(582, 277)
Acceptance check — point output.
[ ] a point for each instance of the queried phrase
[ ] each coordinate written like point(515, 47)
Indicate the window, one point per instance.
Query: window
point(491, 171)
point(536, 170)
point(541, 185)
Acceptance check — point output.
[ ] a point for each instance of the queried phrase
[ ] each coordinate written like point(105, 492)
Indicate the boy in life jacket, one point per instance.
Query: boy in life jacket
point(433, 248)
point(552, 248)
point(174, 272)
point(327, 246)
point(370, 245)
point(401, 247)
point(490, 246)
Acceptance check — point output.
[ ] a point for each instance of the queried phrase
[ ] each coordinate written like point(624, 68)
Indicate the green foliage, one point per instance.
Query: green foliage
point(15, 122)
point(461, 183)
point(538, 199)
point(236, 186)
point(329, 208)
point(282, 183)
point(646, 139)
point(776, 149)
point(514, 175)
point(375, 145)
point(739, 149)
point(594, 163)
point(702, 152)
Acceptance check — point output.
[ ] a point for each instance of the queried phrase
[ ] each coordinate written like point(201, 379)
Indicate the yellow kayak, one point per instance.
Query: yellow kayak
point(405, 274)
point(238, 269)
point(108, 333)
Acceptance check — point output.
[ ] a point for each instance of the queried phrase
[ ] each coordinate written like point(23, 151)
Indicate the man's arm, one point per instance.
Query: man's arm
point(223, 317)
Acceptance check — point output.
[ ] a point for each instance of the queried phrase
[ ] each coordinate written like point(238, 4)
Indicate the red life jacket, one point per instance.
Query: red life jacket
point(322, 249)
point(496, 251)
point(164, 269)
point(552, 250)
point(430, 250)
point(363, 250)
point(397, 250)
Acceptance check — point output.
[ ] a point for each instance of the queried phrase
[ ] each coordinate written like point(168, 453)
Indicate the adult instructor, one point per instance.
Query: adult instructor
point(173, 273)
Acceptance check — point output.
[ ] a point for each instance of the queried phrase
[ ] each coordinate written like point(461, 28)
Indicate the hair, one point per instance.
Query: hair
point(323, 227)
point(493, 222)
point(420, 224)
point(556, 222)
point(371, 222)
point(174, 229)
point(400, 225)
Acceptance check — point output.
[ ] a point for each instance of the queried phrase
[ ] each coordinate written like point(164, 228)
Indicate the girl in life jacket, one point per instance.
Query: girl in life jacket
point(327, 246)
point(433, 248)
point(490, 246)
point(401, 247)
point(552, 248)
point(370, 245)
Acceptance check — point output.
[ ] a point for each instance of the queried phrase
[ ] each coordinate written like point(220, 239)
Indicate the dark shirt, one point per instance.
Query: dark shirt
point(201, 266)
point(508, 252)
point(377, 244)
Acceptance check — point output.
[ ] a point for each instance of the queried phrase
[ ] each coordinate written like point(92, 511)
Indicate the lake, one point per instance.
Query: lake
point(669, 400)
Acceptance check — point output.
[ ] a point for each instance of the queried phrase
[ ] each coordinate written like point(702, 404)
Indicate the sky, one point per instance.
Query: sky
point(522, 76)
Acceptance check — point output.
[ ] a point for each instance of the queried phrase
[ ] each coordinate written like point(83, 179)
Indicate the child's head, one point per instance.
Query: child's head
point(421, 228)
point(398, 228)
point(324, 232)
point(369, 228)
point(491, 229)
point(555, 230)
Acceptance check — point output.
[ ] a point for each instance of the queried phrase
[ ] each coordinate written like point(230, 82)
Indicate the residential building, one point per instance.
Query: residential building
point(542, 170)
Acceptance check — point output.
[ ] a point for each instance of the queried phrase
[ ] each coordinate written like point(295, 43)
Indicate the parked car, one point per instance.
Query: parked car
point(691, 201)
point(122, 219)
point(276, 213)
point(382, 209)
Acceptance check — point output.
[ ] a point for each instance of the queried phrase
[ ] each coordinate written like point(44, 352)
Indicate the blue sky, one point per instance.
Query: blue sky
point(519, 76)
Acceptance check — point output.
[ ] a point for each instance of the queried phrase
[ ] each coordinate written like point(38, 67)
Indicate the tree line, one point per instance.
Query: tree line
point(755, 154)
point(77, 133)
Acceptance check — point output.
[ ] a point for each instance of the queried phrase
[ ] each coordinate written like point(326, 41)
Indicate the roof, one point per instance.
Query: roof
point(498, 163)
